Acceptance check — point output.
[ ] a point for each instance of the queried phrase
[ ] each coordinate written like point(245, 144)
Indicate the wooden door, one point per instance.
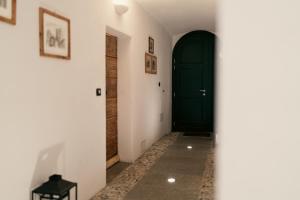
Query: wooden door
point(193, 82)
point(111, 101)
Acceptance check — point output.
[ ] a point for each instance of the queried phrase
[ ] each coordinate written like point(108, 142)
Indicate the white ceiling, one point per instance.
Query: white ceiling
point(181, 16)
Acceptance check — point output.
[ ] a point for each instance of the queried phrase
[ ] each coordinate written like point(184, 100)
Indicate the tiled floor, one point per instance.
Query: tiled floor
point(124, 182)
point(115, 170)
point(146, 178)
point(185, 165)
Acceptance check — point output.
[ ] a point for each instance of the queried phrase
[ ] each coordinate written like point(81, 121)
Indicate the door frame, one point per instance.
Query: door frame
point(182, 39)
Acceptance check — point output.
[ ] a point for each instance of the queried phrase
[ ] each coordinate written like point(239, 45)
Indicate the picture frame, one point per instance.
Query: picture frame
point(153, 65)
point(151, 45)
point(8, 11)
point(148, 61)
point(55, 35)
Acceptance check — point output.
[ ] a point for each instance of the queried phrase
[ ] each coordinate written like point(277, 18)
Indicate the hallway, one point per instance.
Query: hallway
point(182, 159)
point(74, 102)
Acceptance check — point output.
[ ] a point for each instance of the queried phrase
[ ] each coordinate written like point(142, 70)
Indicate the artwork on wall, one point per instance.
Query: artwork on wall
point(8, 11)
point(148, 62)
point(151, 45)
point(55, 36)
point(153, 65)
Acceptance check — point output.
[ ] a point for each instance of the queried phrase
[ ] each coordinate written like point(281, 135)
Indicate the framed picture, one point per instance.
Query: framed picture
point(148, 61)
point(153, 65)
point(55, 36)
point(8, 11)
point(151, 45)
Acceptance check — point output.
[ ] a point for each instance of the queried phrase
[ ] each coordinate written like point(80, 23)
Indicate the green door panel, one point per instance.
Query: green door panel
point(193, 82)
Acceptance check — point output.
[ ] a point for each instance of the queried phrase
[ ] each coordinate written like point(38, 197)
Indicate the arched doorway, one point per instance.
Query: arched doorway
point(193, 83)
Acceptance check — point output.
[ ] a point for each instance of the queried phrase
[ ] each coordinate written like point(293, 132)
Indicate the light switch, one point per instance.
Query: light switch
point(98, 91)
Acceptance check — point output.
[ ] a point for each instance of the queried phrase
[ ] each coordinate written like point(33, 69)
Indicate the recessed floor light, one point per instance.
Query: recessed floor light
point(189, 147)
point(171, 180)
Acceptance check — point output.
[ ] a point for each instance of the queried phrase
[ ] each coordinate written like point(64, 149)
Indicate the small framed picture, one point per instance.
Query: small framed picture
point(8, 11)
point(148, 61)
point(55, 36)
point(153, 65)
point(151, 45)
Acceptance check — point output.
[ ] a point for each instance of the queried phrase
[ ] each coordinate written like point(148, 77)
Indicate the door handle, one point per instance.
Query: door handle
point(203, 91)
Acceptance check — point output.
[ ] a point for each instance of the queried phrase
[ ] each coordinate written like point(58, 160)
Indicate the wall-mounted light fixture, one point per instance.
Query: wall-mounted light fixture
point(121, 6)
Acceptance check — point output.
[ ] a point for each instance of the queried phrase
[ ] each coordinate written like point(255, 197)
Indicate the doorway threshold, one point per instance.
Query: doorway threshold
point(115, 170)
point(198, 134)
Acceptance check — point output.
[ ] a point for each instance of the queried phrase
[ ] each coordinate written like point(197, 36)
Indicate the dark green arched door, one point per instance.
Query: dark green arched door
point(193, 82)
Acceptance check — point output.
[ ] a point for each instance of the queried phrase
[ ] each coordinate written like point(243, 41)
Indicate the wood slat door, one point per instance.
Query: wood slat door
point(111, 99)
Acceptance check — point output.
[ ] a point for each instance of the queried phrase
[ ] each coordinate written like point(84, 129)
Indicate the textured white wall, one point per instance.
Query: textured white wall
point(258, 118)
point(51, 120)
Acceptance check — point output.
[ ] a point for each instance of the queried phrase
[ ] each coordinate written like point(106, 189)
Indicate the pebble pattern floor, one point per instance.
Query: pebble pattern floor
point(130, 177)
point(207, 187)
point(122, 184)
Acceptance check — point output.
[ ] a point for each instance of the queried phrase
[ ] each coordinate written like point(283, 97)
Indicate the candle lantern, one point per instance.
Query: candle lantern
point(55, 189)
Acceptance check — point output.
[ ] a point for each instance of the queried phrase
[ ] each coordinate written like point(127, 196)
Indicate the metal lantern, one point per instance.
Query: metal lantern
point(55, 189)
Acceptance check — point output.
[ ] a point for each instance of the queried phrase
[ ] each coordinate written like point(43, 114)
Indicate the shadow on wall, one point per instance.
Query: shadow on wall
point(50, 161)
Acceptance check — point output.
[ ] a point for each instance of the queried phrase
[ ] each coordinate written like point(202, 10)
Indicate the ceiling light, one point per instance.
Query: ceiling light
point(189, 147)
point(171, 180)
point(121, 6)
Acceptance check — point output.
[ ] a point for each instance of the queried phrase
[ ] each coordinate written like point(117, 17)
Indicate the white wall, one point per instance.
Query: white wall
point(259, 100)
point(51, 120)
point(147, 99)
